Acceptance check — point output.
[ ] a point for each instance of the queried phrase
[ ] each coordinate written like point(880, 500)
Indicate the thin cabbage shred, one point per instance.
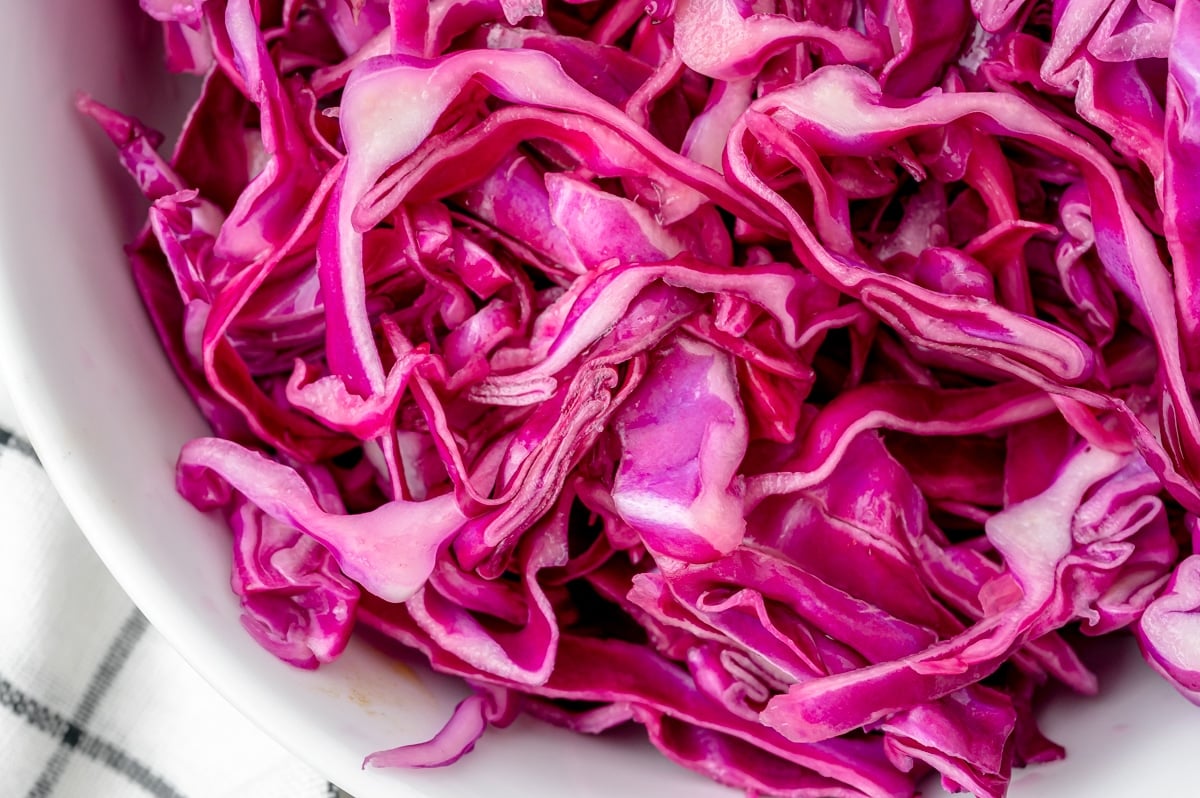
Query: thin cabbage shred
point(797, 380)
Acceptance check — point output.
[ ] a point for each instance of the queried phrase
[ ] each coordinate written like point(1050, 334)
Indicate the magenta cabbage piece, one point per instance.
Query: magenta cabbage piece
point(795, 380)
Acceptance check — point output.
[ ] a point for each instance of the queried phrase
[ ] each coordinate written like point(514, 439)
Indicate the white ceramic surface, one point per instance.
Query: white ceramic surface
point(107, 418)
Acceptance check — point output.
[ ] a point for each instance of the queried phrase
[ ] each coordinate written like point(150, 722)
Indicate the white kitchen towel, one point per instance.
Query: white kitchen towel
point(93, 702)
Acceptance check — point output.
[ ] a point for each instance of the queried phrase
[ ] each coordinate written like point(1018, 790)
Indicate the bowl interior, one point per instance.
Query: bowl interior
point(108, 418)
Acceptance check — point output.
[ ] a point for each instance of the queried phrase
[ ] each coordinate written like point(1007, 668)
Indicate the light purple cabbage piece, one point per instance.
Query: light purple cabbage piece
point(797, 381)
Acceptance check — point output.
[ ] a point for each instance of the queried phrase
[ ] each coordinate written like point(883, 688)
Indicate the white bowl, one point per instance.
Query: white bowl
point(108, 417)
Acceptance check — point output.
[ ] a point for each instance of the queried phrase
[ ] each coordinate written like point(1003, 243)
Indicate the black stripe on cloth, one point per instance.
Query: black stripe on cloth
point(108, 754)
point(110, 665)
point(11, 440)
point(114, 660)
point(73, 734)
point(36, 714)
point(47, 720)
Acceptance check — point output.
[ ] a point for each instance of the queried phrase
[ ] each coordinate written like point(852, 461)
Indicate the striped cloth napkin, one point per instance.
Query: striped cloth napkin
point(93, 702)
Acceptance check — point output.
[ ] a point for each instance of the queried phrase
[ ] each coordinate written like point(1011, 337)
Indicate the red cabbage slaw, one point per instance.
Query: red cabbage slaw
point(784, 377)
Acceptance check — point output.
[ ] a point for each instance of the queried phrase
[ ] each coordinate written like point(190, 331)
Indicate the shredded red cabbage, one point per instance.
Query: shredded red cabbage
point(783, 376)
